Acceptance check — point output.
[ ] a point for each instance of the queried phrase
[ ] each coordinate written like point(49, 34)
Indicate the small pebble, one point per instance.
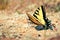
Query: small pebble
point(20, 34)
point(39, 35)
point(1, 24)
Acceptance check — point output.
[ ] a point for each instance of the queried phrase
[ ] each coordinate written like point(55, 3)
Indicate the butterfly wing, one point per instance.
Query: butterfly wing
point(33, 19)
point(40, 15)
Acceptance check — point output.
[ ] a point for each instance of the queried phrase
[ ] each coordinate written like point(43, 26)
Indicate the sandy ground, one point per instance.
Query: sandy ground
point(14, 23)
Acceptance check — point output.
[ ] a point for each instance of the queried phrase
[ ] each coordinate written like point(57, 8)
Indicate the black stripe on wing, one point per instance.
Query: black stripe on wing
point(44, 13)
point(38, 8)
point(36, 12)
point(35, 16)
point(44, 16)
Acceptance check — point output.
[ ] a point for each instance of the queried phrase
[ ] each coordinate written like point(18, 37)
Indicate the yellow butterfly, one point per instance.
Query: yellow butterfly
point(39, 18)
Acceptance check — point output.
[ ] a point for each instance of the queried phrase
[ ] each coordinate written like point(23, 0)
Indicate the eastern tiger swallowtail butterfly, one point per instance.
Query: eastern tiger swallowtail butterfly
point(39, 18)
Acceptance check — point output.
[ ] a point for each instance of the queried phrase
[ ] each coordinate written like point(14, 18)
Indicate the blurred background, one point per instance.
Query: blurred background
point(14, 23)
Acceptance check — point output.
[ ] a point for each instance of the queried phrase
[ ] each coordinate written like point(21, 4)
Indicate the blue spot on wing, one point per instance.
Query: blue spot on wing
point(39, 27)
point(43, 28)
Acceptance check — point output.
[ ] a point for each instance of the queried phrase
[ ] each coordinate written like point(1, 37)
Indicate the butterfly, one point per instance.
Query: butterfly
point(40, 19)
